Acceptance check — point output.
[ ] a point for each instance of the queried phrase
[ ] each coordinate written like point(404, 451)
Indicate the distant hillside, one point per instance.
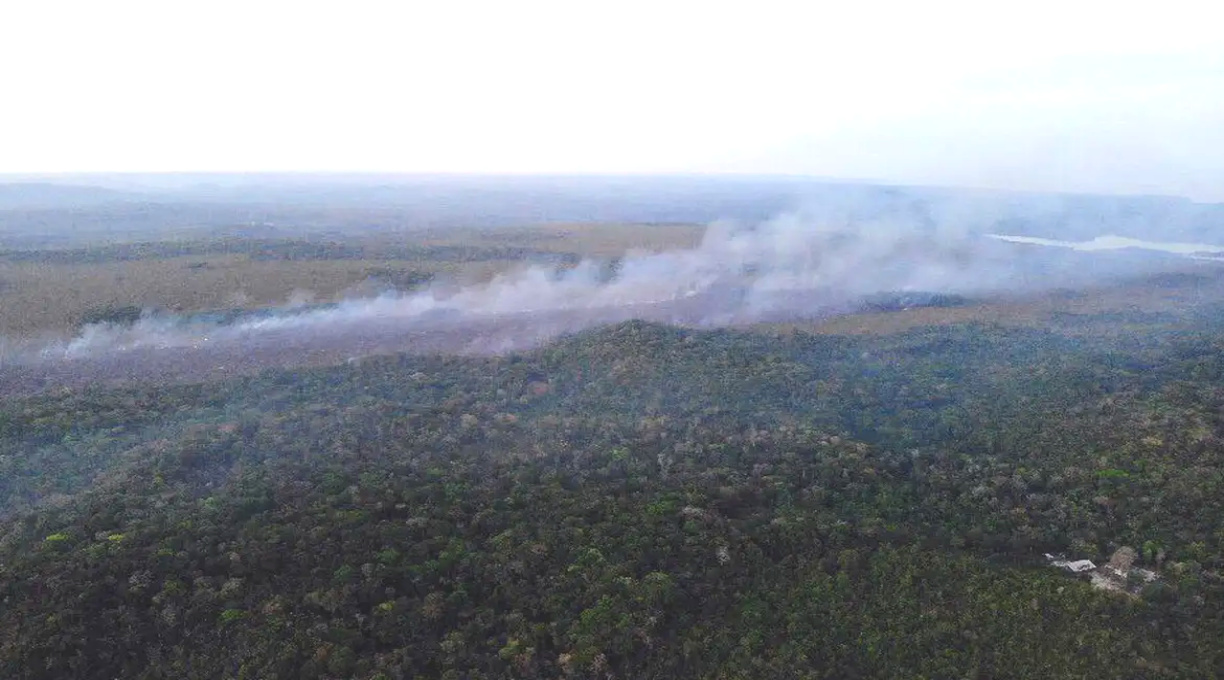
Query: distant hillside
point(496, 201)
point(27, 195)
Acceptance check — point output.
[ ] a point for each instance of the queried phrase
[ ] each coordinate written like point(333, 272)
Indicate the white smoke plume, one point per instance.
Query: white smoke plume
point(804, 264)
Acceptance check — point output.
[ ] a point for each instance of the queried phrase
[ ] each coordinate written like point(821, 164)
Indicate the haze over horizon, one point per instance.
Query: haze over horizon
point(1068, 97)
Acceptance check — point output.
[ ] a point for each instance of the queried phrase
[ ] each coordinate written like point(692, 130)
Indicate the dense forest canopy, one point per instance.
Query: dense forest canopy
point(635, 501)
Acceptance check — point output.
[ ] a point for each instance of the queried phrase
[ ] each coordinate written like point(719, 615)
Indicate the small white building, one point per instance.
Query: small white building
point(1076, 566)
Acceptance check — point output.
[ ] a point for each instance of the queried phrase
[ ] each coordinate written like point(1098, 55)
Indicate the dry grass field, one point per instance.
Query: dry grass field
point(588, 240)
point(54, 291)
point(54, 294)
point(55, 297)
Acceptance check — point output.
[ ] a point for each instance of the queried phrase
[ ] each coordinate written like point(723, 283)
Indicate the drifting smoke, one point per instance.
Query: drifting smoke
point(802, 265)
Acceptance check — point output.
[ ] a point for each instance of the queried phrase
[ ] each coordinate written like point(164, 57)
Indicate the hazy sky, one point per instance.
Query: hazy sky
point(1101, 96)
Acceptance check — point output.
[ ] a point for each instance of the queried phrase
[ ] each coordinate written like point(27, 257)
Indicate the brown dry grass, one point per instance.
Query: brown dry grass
point(42, 297)
point(587, 240)
point(36, 298)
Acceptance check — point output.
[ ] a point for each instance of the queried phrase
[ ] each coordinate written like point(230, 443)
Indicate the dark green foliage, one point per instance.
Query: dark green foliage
point(892, 302)
point(638, 502)
point(399, 278)
point(119, 316)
